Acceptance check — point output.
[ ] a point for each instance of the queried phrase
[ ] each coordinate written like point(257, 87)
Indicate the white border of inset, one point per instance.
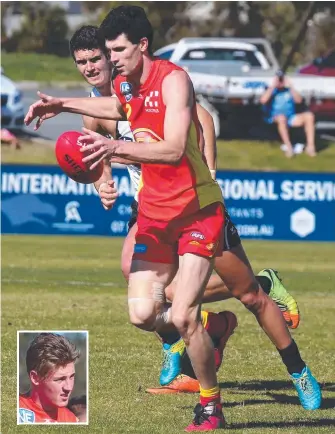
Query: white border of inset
point(18, 376)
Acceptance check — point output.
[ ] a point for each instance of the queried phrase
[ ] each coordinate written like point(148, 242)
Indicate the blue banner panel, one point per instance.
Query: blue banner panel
point(43, 200)
point(279, 206)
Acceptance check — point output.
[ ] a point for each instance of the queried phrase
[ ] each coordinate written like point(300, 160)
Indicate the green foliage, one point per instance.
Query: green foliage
point(44, 30)
point(76, 283)
point(162, 15)
point(232, 155)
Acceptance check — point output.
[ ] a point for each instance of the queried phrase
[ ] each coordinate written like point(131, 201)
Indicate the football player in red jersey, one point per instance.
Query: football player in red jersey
point(50, 362)
point(158, 100)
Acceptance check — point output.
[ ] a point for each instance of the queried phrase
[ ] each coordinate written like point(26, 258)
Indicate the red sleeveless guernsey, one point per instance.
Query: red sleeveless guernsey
point(166, 191)
point(30, 412)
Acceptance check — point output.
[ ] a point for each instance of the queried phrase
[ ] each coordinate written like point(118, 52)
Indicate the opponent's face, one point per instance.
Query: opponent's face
point(93, 66)
point(55, 390)
point(125, 56)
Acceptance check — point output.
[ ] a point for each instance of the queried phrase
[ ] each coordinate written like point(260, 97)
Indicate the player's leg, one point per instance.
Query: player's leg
point(194, 273)
point(216, 289)
point(271, 284)
point(129, 242)
point(156, 241)
point(127, 251)
point(146, 298)
point(195, 267)
point(237, 273)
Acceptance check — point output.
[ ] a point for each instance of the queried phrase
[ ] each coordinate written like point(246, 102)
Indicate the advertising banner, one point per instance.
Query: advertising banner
point(263, 205)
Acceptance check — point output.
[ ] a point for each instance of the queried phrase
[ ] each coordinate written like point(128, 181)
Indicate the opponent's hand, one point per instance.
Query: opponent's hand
point(108, 194)
point(99, 147)
point(45, 108)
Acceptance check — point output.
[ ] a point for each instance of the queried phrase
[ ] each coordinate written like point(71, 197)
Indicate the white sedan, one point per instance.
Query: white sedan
point(12, 110)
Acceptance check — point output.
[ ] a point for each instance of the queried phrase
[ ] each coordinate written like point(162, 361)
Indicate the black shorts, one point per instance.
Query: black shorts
point(231, 236)
point(134, 213)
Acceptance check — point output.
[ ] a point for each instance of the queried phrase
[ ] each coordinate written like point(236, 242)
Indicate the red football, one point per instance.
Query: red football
point(70, 158)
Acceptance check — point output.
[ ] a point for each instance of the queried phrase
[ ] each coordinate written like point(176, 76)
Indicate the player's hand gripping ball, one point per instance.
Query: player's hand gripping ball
point(70, 158)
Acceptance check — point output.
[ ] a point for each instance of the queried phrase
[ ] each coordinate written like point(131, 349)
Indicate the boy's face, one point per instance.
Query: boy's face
point(55, 390)
point(93, 66)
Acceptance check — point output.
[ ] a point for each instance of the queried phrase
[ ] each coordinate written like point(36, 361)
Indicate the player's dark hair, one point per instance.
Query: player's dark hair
point(49, 351)
point(130, 20)
point(87, 38)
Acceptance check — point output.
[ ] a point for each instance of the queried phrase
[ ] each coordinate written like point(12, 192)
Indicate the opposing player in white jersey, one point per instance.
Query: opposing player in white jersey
point(91, 60)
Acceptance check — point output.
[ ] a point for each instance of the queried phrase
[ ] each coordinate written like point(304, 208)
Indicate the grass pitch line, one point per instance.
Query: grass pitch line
point(63, 282)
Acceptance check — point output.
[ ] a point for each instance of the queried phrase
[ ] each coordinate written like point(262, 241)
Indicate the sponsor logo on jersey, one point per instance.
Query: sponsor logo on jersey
point(198, 235)
point(26, 416)
point(151, 102)
point(126, 90)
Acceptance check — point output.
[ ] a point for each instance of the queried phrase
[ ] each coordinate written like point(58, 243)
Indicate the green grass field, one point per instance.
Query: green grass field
point(232, 154)
point(76, 283)
point(42, 67)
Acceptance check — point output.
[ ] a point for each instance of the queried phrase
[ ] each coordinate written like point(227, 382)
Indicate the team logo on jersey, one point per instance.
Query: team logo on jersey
point(151, 102)
point(144, 135)
point(211, 246)
point(126, 90)
point(26, 416)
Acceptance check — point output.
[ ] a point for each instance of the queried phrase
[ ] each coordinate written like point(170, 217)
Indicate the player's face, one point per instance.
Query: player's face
point(55, 390)
point(93, 66)
point(125, 56)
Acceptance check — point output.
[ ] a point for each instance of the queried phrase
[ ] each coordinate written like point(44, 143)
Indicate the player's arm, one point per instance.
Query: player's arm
point(208, 130)
point(110, 127)
point(177, 92)
point(105, 184)
point(48, 107)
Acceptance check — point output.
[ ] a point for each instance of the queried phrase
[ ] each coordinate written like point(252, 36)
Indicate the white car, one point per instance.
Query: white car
point(189, 51)
point(12, 110)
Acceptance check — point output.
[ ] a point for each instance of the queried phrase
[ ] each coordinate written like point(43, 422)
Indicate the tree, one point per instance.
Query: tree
point(44, 30)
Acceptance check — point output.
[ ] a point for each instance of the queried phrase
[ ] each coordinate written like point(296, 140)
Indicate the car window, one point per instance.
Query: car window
point(226, 54)
point(166, 55)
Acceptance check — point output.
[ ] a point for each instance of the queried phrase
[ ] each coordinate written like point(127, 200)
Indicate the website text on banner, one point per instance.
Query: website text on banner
point(278, 206)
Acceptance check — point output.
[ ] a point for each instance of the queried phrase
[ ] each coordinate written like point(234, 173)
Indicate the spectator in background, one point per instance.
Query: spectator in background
point(280, 101)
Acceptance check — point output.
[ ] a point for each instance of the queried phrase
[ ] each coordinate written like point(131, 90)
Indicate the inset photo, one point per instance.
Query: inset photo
point(52, 377)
